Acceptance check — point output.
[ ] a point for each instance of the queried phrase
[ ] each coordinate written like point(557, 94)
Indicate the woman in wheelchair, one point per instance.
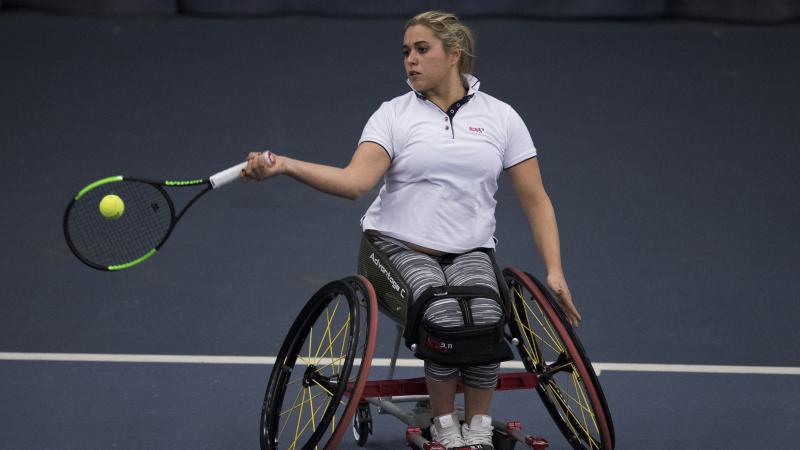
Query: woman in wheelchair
point(440, 150)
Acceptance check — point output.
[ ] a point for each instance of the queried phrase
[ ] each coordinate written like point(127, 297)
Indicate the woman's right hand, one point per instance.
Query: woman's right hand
point(258, 167)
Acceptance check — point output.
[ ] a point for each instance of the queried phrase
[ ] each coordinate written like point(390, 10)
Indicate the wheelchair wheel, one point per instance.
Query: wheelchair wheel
point(548, 347)
point(322, 367)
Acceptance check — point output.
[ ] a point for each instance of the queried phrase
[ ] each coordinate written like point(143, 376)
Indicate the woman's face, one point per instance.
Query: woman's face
point(426, 62)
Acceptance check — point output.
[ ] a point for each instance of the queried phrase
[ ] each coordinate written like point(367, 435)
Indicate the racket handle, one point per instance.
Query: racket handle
point(230, 174)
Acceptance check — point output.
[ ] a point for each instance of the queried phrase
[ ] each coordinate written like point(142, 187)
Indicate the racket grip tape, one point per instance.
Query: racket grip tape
point(231, 174)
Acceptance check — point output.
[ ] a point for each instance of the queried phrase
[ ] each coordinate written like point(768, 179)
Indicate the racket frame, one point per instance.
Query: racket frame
point(159, 185)
point(215, 181)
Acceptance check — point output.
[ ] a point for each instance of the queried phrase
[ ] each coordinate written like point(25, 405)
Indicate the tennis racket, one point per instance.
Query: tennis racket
point(140, 218)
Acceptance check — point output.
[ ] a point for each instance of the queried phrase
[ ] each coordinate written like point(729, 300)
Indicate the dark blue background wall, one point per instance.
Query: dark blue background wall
point(735, 10)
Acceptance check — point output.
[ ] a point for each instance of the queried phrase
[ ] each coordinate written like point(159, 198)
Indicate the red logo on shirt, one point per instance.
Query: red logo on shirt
point(476, 130)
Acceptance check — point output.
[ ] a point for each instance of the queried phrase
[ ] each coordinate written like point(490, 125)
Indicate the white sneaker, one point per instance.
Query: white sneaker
point(446, 431)
point(478, 432)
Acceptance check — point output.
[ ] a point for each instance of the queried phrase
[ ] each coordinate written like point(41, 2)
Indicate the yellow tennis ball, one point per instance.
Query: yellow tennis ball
point(112, 207)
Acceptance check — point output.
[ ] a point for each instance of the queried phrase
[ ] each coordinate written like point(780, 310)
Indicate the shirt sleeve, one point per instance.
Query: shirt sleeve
point(519, 145)
point(379, 129)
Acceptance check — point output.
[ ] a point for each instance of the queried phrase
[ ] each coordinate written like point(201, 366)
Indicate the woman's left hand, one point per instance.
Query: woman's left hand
point(558, 285)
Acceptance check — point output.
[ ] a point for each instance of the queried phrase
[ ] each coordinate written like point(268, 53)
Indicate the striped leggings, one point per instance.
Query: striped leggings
point(474, 268)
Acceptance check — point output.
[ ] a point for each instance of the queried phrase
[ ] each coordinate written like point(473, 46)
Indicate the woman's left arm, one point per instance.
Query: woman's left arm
point(527, 180)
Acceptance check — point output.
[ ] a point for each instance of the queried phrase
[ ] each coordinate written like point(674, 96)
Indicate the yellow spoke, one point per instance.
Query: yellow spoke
point(344, 341)
point(329, 319)
point(289, 411)
point(550, 334)
point(310, 342)
point(556, 393)
point(546, 328)
point(311, 408)
point(539, 338)
point(299, 418)
point(295, 380)
point(308, 422)
point(330, 394)
point(345, 326)
point(304, 402)
point(328, 362)
point(316, 358)
point(323, 388)
point(329, 350)
point(294, 408)
point(582, 420)
point(323, 362)
point(559, 395)
point(584, 400)
point(584, 406)
point(527, 346)
point(561, 367)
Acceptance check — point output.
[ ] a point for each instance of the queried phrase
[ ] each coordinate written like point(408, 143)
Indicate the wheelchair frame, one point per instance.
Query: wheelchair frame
point(537, 329)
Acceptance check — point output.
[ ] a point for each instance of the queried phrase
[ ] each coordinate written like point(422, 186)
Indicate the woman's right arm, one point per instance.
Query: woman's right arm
point(370, 161)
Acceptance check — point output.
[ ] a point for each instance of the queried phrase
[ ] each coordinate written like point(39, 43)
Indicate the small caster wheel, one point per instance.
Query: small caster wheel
point(362, 424)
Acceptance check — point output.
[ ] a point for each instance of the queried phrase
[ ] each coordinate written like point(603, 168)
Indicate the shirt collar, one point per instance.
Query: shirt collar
point(473, 85)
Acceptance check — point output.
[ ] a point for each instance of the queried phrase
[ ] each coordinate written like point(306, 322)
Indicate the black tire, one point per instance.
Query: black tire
point(549, 348)
point(315, 384)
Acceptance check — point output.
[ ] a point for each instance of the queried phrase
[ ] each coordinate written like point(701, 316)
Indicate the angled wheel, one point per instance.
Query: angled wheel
point(548, 347)
point(321, 369)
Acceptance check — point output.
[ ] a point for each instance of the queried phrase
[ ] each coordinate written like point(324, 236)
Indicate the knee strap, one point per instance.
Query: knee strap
point(462, 346)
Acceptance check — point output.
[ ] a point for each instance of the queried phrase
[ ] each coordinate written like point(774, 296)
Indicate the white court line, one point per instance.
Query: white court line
point(384, 362)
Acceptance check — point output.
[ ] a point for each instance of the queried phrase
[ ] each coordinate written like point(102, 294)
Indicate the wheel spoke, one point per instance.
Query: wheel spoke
point(578, 427)
point(552, 342)
point(308, 422)
point(328, 319)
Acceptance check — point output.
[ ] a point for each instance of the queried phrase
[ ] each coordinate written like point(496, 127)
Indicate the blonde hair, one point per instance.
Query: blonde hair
point(448, 28)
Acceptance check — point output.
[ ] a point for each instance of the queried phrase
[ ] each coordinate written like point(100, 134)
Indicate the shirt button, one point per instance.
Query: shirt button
point(446, 127)
point(446, 118)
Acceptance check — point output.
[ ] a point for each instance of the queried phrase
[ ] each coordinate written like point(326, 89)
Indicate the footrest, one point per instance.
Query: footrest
point(416, 441)
point(411, 433)
point(537, 442)
point(507, 434)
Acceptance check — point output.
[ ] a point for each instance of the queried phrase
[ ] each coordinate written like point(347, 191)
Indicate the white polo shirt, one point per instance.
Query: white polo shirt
point(439, 189)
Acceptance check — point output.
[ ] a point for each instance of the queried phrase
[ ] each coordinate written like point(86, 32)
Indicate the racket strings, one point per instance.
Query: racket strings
point(145, 222)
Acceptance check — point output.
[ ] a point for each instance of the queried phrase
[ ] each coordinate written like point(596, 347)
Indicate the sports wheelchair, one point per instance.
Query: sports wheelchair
point(319, 389)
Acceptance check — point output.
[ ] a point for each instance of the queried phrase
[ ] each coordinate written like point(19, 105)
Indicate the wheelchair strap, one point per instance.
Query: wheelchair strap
point(432, 293)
